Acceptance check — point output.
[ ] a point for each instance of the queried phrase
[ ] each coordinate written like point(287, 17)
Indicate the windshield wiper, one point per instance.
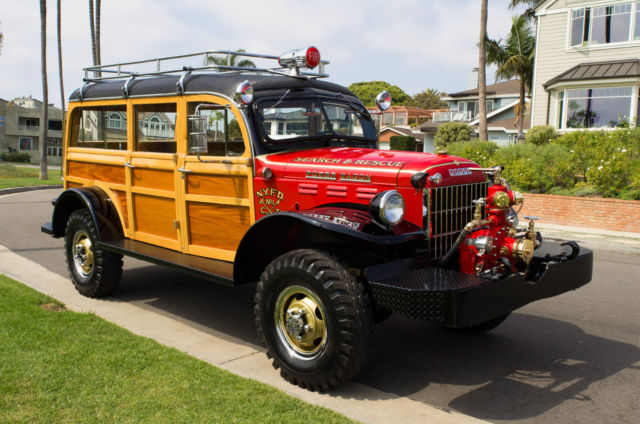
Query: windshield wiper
point(286, 93)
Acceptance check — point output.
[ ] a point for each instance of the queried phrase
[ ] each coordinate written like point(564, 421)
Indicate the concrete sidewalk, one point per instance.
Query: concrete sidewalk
point(598, 240)
point(354, 400)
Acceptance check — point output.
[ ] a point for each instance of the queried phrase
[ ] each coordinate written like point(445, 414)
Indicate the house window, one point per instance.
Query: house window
point(560, 109)
point(1, 121)
point(55, 125)
point(401, 118)
point(598, 107)
point(604, 24)
point(578, 26)
point(117, 120)
point(610, 24)
point(25, 143)
point(387, 118)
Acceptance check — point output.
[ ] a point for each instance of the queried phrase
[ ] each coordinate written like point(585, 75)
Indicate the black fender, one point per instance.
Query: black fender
point(281, 232)
point(97, 202)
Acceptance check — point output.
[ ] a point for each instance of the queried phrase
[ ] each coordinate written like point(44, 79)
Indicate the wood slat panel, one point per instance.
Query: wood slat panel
point(121, 196)
point(218, 185)
point(153, 178)
point(218, 226)
point(92, 171)
point(155, 215)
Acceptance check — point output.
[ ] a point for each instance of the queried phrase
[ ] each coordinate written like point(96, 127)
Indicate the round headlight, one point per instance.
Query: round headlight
point(388, 207)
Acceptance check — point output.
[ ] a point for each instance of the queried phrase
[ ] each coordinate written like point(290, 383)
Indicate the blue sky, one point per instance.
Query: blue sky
point(414, 44)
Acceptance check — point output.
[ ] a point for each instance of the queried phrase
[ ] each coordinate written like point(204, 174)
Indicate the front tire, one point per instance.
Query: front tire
point(314, 318)
point(94, 272)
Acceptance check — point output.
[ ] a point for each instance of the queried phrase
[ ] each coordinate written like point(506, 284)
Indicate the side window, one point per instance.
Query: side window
point(156, 128)
point(100, 127)
point(224, 137)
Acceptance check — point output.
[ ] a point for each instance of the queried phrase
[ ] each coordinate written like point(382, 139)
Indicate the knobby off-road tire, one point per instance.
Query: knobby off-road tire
point(94, 272)
point(314, 318)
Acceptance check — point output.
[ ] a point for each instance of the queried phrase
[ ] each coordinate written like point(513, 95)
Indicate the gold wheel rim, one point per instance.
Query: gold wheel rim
point(300, 322)
point(83, 253)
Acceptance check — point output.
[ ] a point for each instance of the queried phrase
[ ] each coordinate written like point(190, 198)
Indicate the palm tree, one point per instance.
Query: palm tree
point(44, 120)
point(59, 22)
point(514, 58)
point(232, 60)
point(482, 74)
point(531, 10)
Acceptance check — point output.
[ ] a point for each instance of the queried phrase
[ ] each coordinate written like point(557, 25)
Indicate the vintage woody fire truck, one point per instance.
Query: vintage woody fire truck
point(269, 174)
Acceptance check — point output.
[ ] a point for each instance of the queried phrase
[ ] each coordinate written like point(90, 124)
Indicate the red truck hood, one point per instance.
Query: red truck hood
point(370, 165)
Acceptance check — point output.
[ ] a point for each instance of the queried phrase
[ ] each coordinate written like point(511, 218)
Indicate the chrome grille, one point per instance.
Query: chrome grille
point(450, 209)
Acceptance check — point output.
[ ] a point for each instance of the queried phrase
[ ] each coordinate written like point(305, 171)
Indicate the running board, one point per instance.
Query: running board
point(211, 269)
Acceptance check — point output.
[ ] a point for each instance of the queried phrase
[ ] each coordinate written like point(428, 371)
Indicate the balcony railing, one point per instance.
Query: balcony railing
point(28, 127)
point(453, 115)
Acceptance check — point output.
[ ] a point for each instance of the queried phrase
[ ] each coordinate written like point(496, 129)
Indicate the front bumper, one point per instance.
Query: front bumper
point(415, 288)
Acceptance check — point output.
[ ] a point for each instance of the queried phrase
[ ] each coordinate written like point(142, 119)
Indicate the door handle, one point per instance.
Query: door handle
point(184, 171)
point(128, 165)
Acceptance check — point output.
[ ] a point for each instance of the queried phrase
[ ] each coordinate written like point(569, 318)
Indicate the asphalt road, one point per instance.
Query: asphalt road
point(574, 358)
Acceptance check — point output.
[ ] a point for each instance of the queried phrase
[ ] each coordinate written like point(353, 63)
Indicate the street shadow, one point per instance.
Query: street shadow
point(522, 369)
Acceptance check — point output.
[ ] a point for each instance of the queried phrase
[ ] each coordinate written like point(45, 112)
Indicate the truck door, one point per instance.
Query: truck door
point(216, 189)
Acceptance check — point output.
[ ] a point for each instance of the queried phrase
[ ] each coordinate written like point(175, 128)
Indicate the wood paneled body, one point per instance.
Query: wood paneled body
point(96, 172)
point(217, 226)
point(172, 200)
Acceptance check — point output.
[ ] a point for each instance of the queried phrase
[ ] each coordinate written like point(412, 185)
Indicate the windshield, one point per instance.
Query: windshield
point(290, 120)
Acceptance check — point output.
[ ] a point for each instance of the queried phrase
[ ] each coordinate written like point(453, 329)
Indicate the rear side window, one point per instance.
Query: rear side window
point(156, 128)
point(100, 127)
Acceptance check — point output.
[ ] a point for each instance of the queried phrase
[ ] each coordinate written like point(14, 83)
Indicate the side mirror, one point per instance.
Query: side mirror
point(197, 130)
point(383, 101)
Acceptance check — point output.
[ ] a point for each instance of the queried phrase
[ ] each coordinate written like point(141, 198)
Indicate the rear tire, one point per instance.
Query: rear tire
point(314, 318)
point(94, 272)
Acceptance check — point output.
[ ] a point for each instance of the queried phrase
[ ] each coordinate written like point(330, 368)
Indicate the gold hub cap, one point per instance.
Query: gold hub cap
point(83, 253)
point(300, 321)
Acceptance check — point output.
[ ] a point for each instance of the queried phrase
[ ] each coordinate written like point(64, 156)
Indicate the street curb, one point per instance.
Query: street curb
point(354, 400)
point(27, 188)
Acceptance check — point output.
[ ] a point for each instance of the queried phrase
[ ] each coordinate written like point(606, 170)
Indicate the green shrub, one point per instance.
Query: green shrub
point(541, 134)
point(15, 157)
point(402, 142)
point(481, 152)
point(452, 132)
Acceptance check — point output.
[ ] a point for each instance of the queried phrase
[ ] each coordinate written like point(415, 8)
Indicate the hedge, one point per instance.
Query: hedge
point(587, 163)
point(402, 142)
point(15, 157)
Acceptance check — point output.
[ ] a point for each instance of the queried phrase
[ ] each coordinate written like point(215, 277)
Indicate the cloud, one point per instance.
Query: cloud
point(411, 43)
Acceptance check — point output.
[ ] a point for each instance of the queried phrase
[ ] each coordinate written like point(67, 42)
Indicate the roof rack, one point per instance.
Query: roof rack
point(124, 70)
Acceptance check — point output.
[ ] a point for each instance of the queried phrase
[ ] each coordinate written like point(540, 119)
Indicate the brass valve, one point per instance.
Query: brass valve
point(531, 231)
point(477, 214)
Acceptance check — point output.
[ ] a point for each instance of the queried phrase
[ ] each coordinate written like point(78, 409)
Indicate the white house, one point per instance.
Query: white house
point(587, 64)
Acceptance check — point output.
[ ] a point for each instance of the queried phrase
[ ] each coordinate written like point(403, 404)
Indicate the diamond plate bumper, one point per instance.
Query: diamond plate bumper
point(415, 288)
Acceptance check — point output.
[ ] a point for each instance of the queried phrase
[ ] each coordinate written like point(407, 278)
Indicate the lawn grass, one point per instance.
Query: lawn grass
point(58, 366)
point(21, 176)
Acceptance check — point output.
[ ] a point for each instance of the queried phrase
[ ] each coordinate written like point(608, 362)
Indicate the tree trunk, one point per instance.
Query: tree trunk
point(482, 75)
point(62, 99)
point(521, 108)
point(93, 33)
point(97, 37)
point(44, 119)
